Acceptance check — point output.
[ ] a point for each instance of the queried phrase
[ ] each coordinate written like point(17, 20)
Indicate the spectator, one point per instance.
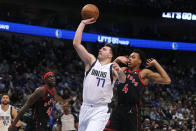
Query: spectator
point(154, 115)
point(67, 121)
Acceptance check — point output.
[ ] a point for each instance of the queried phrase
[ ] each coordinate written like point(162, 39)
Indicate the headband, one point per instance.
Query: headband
point(47, 74)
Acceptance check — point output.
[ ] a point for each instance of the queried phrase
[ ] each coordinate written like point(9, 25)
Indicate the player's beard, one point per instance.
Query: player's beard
point(5, 103)
point(100, 57)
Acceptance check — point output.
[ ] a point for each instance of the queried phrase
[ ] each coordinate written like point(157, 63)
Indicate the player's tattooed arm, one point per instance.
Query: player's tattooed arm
point(120, 75)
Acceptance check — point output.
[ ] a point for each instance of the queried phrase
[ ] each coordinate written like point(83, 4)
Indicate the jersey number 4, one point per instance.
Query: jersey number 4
point(125, 89)
point(100, 80)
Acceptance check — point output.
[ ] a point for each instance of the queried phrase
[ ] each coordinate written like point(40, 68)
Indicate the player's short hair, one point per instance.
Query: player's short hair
point(113, 50)
point(142, 57)
point(4, 94)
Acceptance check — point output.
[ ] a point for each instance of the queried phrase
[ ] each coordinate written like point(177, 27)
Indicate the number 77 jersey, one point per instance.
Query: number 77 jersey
point(98, 84)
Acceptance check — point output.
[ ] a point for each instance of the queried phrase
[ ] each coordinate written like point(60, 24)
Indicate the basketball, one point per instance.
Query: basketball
point(89, 11)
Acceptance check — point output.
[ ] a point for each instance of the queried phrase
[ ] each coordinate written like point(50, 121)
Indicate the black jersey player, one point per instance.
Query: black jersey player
point(41, 101)
point(125, 116)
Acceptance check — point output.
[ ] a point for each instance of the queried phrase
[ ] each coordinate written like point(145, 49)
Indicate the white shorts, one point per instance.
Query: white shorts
point(93, 117)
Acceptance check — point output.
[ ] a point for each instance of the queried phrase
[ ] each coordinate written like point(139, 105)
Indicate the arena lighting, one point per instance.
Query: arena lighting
point(67, 34)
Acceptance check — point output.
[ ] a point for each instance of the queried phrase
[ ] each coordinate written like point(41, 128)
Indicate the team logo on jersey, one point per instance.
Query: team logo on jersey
point(99, 73)
point(5, 120)
point(132, 80)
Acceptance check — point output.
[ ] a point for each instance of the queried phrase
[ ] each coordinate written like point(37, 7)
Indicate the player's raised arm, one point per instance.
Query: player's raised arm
point(160, 77)
point(85, 56)
point(121, 59)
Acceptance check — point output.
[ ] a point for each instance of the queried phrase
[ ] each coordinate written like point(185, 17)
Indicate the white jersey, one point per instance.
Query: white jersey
point(5, 119)
point(67, 122)
point(98, 84)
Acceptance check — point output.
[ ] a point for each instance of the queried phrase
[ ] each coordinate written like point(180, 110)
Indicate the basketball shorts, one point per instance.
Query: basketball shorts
point(93, 117)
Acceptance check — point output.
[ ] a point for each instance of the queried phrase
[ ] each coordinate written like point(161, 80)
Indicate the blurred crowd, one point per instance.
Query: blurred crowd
point(24, 60)
point(23, 64)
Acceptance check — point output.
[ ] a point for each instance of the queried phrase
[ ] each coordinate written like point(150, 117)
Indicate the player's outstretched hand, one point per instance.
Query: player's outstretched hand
point(150, 62)
point(116, 67)
point(89, 21)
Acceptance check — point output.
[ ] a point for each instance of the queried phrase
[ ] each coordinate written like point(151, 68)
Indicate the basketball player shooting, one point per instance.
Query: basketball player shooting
point(97, 84)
